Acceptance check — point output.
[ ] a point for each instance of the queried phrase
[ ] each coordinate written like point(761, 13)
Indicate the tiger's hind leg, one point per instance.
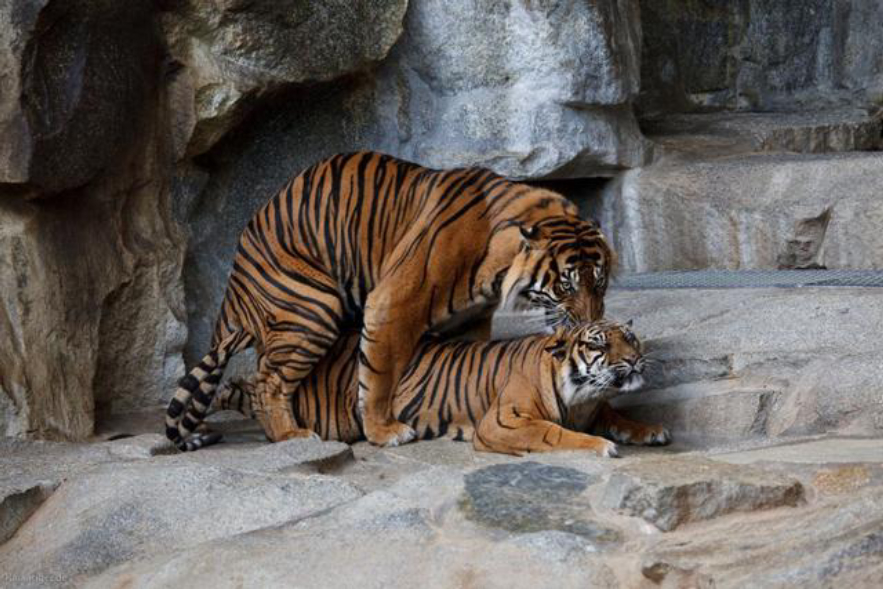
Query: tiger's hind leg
point(294, 343)
point(272, 404)
point(625, 431)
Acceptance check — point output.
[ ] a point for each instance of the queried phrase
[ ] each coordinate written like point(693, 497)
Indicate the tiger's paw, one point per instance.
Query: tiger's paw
point(608, 450)
point(390, 435)
point(644, 435)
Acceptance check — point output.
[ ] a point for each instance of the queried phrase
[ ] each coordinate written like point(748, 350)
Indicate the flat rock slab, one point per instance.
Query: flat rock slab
point(672, 492)
point(120, 511)
point(761, 362)
point(247, 515)
point(532, 497)
point(413, 528)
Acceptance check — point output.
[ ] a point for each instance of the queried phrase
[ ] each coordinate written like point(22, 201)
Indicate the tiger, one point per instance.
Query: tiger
point(397, 250)
point(533, 394)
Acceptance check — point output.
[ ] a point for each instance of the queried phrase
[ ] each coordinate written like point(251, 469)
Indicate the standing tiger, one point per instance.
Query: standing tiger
point(534, 394)
point(398, 250)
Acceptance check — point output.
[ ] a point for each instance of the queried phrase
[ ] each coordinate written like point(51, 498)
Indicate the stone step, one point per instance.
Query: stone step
point(706, 412)
point(703, 135)
point(755, 211)
point(759, 361)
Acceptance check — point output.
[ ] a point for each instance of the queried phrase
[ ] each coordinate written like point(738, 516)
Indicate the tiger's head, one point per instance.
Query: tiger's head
point(562, 268)
point(597, 360)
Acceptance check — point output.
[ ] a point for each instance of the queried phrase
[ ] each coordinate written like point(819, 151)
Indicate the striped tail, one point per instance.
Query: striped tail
point(192, 399)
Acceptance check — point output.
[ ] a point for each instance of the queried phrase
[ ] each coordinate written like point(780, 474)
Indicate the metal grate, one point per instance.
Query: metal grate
point(749, 279)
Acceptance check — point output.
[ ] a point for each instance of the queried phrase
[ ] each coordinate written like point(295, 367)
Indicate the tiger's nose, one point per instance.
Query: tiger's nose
point(634, 363)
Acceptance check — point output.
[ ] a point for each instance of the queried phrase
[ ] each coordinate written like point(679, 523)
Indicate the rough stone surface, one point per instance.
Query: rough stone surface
point(670, 493)
point(17, 505)
point(75, 76)
point(835, 543)
point(528, 89)
point(825, 450)
point(246, 513)
point(232, 52)
point(91, 301)
point(758, 362)
point(113, 512)
point(760, 54)
point(531, 497)
point(749, 212)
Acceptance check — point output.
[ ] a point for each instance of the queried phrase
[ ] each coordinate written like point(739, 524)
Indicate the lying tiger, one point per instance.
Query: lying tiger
point(535, 394)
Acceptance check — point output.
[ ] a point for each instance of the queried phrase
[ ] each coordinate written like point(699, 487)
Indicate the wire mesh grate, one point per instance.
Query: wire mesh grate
point(749, 279)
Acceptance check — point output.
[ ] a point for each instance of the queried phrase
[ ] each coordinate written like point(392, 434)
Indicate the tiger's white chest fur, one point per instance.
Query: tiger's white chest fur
point(574, 395)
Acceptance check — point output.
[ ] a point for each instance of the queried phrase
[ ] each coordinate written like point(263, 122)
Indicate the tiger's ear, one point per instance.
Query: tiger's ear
point(629, 323)
point(558, 349)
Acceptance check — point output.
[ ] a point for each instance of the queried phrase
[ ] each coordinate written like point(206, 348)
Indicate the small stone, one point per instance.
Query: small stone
point(842, 480)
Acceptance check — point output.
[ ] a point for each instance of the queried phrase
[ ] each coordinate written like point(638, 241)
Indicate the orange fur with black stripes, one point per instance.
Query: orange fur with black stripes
point(397, 250)
point(534, 394)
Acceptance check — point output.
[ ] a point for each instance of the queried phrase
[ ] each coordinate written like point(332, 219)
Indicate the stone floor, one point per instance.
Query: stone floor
point(130, 512)
point(774, 480)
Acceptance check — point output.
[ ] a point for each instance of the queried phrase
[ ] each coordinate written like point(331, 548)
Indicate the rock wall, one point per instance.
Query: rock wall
point(760, 54)
point(90, 261)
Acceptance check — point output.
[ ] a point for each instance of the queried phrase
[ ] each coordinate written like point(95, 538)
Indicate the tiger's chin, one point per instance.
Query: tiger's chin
point(629, 383)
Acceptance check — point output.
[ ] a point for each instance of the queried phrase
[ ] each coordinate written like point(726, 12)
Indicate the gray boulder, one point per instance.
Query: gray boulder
point(527, 89)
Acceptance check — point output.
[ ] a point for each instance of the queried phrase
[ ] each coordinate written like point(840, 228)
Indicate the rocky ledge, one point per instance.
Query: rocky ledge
point(133, 513)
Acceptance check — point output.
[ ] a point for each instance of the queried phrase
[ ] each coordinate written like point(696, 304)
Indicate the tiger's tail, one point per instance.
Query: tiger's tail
point(192, 399)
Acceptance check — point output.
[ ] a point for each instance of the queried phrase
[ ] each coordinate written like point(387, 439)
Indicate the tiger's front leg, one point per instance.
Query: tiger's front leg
point(518, 422)
point(509, 430)
point(390, 334)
